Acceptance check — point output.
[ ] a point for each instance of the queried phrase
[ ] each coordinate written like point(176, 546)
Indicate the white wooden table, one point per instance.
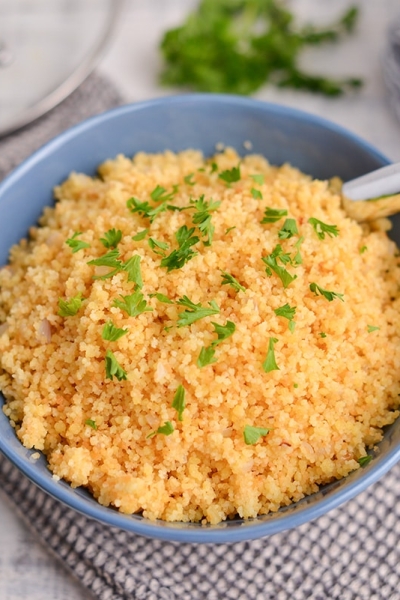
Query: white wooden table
point(27, 570)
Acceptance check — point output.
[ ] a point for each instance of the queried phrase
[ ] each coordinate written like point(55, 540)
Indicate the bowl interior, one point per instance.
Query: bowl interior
point(199, 121)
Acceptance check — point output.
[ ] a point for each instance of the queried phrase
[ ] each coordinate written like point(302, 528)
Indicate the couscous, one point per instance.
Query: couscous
point(194, 339)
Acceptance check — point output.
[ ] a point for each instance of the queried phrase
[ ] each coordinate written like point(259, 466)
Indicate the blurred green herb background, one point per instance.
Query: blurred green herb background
point(236, 46)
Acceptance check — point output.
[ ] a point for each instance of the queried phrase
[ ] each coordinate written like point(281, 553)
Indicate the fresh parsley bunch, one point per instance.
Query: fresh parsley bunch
point(236, 46)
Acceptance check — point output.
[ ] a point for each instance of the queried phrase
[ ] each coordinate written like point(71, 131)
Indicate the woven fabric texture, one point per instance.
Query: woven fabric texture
point(353, 553)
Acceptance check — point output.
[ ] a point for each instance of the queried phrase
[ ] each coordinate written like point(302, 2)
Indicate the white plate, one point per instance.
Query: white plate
point(47, 48)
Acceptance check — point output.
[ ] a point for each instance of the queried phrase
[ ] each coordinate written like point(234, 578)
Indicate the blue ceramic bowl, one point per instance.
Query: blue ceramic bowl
point(192, 121)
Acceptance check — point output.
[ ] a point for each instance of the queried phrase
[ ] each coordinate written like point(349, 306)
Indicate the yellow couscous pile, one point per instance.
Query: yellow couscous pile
point(154, 356)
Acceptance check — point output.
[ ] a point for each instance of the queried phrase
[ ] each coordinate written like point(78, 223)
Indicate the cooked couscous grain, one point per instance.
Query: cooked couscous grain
point(179, 338)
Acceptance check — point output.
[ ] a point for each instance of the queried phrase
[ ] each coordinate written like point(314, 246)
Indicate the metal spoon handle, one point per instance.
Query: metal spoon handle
point(377, 183)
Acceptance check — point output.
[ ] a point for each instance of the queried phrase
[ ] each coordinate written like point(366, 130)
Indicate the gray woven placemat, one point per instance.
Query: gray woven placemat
point(353, 553)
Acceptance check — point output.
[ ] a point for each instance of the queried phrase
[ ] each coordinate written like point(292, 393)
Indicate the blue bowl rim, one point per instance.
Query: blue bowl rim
point(159, 530)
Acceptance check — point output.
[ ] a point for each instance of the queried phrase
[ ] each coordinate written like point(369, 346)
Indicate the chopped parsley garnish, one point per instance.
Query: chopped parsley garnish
point(364, 460)
point(195, 311)
point(288, 313)
point(322, 228)
point(326, 293)
point(282, 273)
point(214, 167)
point(113, 368)
point(230, 229)
point(132, 267)
point(258, 178)
point(363, 249)
point(206, 357)
point(145, 209)
point(111, 333)
point(270, 363)
point(202, 217)
point(140, 236)
point(289, 229)
point(69, 308)
point(111, 259)
point(161, 298)
point(188, 179)
point(372, 328)
point(297, 259)
point(278, 252)
point(230, 175)
point(76, 244)
point(323, 334)
point(165, 429)
point(159, 194)
point(179, 401)
point(228, 279)
point(178, 257)
point(296, 385)
point(111, 238)
point(158, 247)
point(257, 195)
point(91, 423)
point(272, 215)
point(253, 434)
point(133, 304)
point(223, 331)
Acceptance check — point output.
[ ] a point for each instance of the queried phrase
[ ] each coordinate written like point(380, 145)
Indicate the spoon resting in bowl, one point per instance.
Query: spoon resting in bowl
point(374, 195)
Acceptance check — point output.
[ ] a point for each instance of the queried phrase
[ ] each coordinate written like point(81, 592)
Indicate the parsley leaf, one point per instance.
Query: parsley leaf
point(112, 333)
point(159, 194)
point(158, 247)
point(272, 215)
point(206, 357)
point(202, 218)
point(113, 368)
point(133, 304)
point(140, 236)
point(258, 178)
point(286, 311)
point(223, 331)
point(111, 259)
point(165, 429)
point(228, 279)
point(297, 259)
point(282, 273)
point(278, 253)
point(257, 195)
point(230, 175)
point(91, 423)
point(178, 257)
point(270, 363)
point(230, 229)
point(253, 434)
point(363, 249)
point(326, 293)
point(76, 244)
point(179, 401)
point(288, 230)
point(132, 267)
point(69, 308)
point(188, 179)
point(111, 238)
point(195, 312)
point(322, 228)
point(364, 460)
point(372, 328)
point(323, 334)
point(161, 298)
point(145, 209)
